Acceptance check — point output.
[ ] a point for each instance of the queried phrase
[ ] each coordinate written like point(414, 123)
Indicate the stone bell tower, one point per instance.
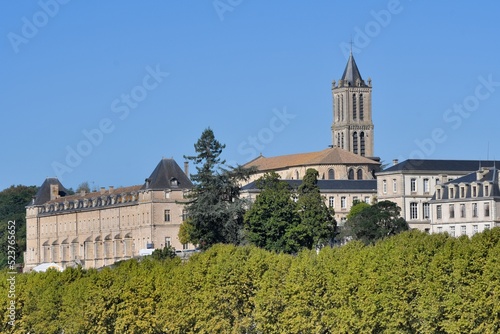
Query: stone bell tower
point(352, 127)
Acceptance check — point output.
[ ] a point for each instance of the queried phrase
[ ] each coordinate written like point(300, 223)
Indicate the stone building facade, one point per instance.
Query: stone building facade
point(99, 228)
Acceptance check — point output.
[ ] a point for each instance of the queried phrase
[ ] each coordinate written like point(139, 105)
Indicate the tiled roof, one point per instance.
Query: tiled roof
point(327, 185)
point(441, 165)
point(329, 156)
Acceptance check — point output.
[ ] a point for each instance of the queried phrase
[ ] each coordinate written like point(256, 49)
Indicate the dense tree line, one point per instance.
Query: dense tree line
point(409, 283)
point(13, 201)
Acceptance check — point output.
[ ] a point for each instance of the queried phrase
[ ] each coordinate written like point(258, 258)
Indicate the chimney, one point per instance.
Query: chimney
point(395, 162)
point(103, 190)
point(54, 191)
point(186, 168)
point(82, 193)
point(111, 188)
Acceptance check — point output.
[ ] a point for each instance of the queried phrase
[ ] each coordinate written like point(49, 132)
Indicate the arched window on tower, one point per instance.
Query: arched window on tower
point(342, 141)
point(355, 143)
point(350, 174)
point(338, 140)
point(354, 112)
point(342, 106)
point(362, 143)
point(359, 175)
point(331, 174)
point(361, 107)
point(337, 97)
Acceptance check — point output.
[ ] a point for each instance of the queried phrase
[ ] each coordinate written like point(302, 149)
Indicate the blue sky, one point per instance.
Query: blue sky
point(101, 91)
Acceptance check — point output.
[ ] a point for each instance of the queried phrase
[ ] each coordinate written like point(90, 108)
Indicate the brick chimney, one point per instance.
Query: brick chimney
point(186, 168)
point(54, 191)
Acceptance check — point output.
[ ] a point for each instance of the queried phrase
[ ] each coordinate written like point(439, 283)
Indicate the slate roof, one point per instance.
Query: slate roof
point(329, 185)
point(43, 194)
point(165, 173)
point(351, 73)
point(329, 156)
point(441, 165)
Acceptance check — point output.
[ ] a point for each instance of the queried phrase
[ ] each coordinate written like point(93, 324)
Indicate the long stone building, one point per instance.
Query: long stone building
point(99, 228)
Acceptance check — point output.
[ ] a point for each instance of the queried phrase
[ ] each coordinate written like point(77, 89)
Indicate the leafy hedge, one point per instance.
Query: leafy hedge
point(410, 283)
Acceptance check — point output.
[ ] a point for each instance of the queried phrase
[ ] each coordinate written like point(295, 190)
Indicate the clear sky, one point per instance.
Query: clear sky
point(100, 91)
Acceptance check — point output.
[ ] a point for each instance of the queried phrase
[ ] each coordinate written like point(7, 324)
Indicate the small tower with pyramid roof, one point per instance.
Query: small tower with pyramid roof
point(352, 127)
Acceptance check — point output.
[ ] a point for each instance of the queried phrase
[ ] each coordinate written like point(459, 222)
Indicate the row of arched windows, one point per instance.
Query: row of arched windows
point(350, 174)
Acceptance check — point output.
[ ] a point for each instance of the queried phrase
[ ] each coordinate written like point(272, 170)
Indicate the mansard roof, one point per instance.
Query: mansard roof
point(167, 175)
point(43, 194)
point(484, 175)
point(329, 156)
point(351, 73)
point(329, 185)
point(413, 165)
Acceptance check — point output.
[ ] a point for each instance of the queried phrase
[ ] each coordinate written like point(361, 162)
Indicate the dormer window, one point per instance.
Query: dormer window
point(462, 192)
point(438, 193)
point(174, 182)
point(474, 191)
point(452, 192)
point(486, 190)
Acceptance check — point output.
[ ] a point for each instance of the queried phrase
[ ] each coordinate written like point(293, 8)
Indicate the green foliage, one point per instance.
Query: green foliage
point(316, 219)
point(275, 222)
point(272, 215)
point(215, 211)
point(168, 252)
point(409, 283)
point(13, 203)
point(371, 223)
point(84, 186)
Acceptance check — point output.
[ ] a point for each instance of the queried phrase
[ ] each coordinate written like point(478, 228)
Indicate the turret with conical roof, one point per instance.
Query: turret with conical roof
point(352, 127)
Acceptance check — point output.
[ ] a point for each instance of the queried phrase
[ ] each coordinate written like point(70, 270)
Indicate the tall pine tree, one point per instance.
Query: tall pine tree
point(215, 211)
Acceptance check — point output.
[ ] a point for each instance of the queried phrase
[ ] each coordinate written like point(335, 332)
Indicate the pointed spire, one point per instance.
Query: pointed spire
point(351, 76)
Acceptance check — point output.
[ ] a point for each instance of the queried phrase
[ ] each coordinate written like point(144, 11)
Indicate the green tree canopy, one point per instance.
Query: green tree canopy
point(317, 222)
point(215, 210)
point(13, 203)
point(375, 222)
point(276, 222)
point(271, 215)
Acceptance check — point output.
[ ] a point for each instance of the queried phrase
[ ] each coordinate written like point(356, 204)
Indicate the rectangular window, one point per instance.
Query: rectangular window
point(168, 242)
point(413, 210)
point(384, 186)
point(440, 229)
point(438, 194)
point(474, 192)
point(167, 215)
point(184, 215)
point(452, 231)
point(185, 246)
point(475, 229)
point(438, 212)
point(462, 192)
point(426, 185)
point(367, 199)
point(394, 186)
point(486, 190)
point(474, 209)
point(452, 192)
point(413, 185)
point(486, 209)
point(462, 210)
point(426, 210)
point(452, 211)
point(463, 230)
point(486, 226)
point(331, 202)
point(343, 202)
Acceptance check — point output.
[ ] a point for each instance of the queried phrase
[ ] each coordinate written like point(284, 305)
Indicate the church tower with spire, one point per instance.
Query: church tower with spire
point(352, 127)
